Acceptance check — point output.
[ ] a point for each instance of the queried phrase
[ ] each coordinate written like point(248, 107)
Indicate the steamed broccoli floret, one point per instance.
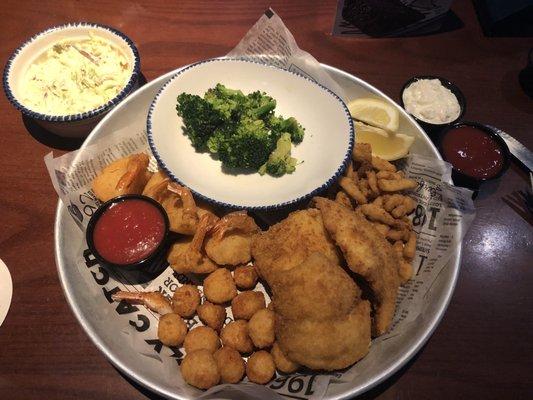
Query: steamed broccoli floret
point(228, 102)
point(199, 118)
point(281, 125)
point(280, 161)
point(260, 105)
point(248, 147)
point(241, 130)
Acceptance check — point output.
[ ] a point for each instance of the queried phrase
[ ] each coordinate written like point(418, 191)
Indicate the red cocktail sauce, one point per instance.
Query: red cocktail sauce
point(472, 152)
point(128, 231)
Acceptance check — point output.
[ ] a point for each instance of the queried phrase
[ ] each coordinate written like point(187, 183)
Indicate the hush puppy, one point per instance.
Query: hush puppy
point(212, 315)
point(247, 304)
point(171, 330)
point(245, 277)
point(199, 369)
point(201, 337)
point(235, 334)
point(185, 300)
point(219, 286)
point(261, 328)
point(230, 365)
point(260, 367)
point(283, 363)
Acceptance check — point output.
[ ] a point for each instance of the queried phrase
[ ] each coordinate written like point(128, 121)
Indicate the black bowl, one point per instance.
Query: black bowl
point(462, 179)
point(435, 129)
point(152, 264)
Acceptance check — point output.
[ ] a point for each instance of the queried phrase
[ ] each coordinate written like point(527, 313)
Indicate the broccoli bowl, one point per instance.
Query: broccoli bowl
point(247, 135)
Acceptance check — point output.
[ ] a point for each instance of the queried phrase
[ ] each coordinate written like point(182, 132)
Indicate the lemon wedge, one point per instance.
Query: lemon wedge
point(375, 112)
point(388, 146)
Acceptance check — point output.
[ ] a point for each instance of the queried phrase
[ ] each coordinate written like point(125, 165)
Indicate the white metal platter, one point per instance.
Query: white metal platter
point(102, 328)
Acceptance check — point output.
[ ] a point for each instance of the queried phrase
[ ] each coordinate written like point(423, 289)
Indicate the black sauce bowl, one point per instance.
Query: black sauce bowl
point(462, 179)
point(154, 263)
point(434, 129)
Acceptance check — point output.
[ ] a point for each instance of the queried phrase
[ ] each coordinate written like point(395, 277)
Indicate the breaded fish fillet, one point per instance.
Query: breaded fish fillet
point(368, 254)
point(327, 344)
point(289, 242)
point(321, 321)
point(315, 289)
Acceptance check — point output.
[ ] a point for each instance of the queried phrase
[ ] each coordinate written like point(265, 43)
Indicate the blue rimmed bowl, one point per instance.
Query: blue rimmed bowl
point(75, 125)
point(322, 155)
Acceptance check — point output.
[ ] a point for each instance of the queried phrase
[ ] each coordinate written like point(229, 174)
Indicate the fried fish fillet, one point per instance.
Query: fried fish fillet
point(321, 321)
point(368, 254)
point(289, 242)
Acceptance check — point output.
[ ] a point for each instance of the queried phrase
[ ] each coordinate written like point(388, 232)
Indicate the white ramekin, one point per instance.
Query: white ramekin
point(75, 125)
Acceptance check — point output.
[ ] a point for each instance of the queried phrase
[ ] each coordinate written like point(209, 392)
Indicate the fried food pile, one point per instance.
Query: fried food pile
point(333, 268)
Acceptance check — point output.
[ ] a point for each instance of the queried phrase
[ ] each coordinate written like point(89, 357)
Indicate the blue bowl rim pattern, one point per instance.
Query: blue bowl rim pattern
point(87, 114)
point(324, 186)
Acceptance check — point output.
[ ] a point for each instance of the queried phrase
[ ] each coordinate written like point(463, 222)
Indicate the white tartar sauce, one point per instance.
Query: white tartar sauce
point(430, 101)
point(75, 75)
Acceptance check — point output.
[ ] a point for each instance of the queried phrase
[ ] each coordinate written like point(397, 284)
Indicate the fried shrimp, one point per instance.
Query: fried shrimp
point(187, 256)
point(177, 201)
point(126, 175)
point(230, 239)
point(154, 301)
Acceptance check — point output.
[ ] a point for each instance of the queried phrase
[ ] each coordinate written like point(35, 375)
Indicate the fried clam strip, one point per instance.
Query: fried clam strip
point(321, 321)
point(187, 256)
point(362, 153)
point(382, 165)
point(396, 185)
point(350, 186)
point(342, 198)
point(230, 240)
point(154, 301)
point(177, 201)
point(126, 175)
point(368, 254)
point(377, 214)
point(405, 269)
point(289, 242)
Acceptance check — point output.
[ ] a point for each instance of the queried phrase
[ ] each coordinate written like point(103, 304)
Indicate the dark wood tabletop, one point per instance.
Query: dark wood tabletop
point(483, 347)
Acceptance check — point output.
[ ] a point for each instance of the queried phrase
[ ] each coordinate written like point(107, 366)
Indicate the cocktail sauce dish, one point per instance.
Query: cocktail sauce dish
point(151, 261)
point(461, 177)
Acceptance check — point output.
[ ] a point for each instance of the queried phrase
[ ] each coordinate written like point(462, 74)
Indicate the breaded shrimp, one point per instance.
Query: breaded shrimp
point(126, 175)
point(230, 240)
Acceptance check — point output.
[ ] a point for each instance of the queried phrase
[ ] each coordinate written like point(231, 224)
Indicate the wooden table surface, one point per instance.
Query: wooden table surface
point(483, 347)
